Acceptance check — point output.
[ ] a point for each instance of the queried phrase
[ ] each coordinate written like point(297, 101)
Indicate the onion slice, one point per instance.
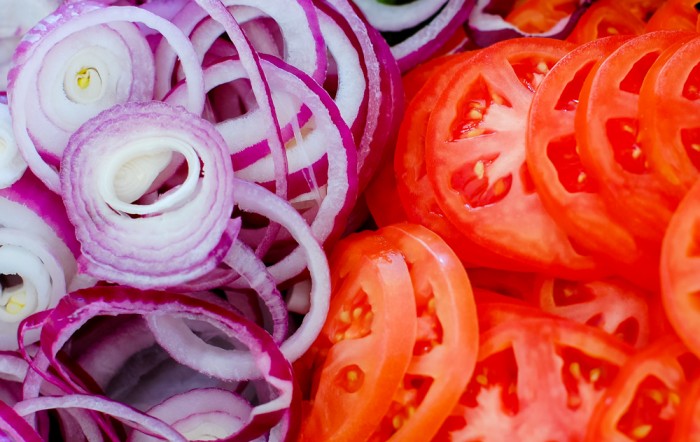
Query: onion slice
point(54, 32)
point(155, 244)
point(12, 165)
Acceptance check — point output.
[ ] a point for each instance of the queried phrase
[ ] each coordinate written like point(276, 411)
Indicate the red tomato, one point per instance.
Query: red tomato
point(688, 419)
point(475, 151)
point(606, 18)
point(382, 197)
point(537, 16)
point(359, 360)
point(414, 187)
point(680, 267)
point(677, 15)
point(537, 379)
point(669, 128)
point(447, 341)
point(566, 188)
point(613, 306)
point(607, 122)
point(517, 285)
point(643, 401)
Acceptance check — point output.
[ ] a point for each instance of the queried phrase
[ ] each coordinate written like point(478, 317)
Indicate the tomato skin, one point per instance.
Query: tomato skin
point(606, 18)
point(475, 155)
point(567, 189)
point(538, 16)
point(607, 121)
point(415, 190)
point(359, 360)
point(688, 419)
point(447, 343)
point(679, 267)
point(679, 15)
point(536, 379)
point(382, 197)
point(643, 401)
point(668, 127)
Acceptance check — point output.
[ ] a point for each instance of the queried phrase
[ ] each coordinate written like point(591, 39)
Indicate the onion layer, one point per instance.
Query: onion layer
point(153, 241)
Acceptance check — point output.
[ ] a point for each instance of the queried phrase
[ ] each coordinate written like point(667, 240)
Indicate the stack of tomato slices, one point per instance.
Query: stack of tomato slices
point(564, 177)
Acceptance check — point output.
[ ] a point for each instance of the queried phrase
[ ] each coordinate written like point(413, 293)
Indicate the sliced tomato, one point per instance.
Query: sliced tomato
point(447, 341)
point(614, 306)
point(609, 17)
point(679, 15)
point(688, 420)
point(643, 401)
point(382, 197)
point(680, 270)
point(359, 360)
point(669, 127)
point(538, 16)
point(567, 189)
point(537, 379)
point(607, 122)
point(414, 187)
point(416, 78)
point(517, 285)
point(475, 151)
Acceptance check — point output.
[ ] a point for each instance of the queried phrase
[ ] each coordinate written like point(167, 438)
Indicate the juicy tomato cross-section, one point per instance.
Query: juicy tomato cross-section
point(536, 379)
point(359, 360)
point(644, 400)
point(447, 339)
point(567, 189)
point(611, 149)
point(475, 151)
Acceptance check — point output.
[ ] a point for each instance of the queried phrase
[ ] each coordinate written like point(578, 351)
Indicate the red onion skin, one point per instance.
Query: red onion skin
point(33, 194)
point(75, 309)
point(14, 426)
point(482, 38)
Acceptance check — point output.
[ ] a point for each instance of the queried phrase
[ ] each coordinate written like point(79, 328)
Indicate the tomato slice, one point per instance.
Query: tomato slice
point(688, 419)
point(359, 360)
point(669, 127)
point(447, 343)
point(475, 152)
point(382, 197)
point(643, 401)
point(414, 187)
point(517, 285)
point(680, 267)
point(607, 121)
point(677, 15)
point(609, 17)
point(566, 188)
point(536, 379)
point(612, 305)
point(538, 16)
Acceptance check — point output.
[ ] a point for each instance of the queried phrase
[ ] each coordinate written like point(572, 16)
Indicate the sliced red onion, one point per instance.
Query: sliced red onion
point(140, 421)
point(296, 20)
point(17, 17)
point(37, 262)
point(12, 425)
point(486, 27)
point(49, 40)
point(429, 23)
point(385, 96)
point(12, 166)
point(162, 308)
point(351, 90)
point(204, 414)
point(255, 199)
point(321, 161)
point(242, 260)
point(151, 245)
